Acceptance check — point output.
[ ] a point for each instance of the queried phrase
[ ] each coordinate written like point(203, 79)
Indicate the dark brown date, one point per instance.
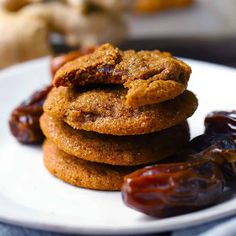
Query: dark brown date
point(172, 189)
point(219, 148)
point(204, 141)
point(58, 61)
point(24, 120)
point(224, 158)
point(221, 122)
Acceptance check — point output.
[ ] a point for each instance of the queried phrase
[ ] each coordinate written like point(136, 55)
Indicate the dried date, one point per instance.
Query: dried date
point(204, 141)
point(219, 148)
point(221, 122)
point(24, 120)
point(208, 163)
point(224, 158)
point(172, 189)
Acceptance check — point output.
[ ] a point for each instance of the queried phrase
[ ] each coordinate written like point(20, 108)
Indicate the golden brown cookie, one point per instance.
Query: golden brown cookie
point(103, 110)
point(115, 150)
point(150, 76)
point(58, 61)
point(82, 173)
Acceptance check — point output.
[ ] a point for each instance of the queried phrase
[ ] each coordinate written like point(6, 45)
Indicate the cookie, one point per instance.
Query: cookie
point(115, 150)
point(149, 76)
point(82, 173)
point(103, 110)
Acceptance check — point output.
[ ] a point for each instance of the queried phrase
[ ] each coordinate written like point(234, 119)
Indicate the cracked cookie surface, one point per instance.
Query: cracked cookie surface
point(103, 110)
point(149, 76)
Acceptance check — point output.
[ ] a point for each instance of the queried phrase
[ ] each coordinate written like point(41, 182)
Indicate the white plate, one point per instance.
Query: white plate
point(31, 197)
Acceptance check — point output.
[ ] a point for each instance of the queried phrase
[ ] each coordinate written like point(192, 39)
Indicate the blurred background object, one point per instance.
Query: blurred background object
point(30, 28)
point(203, 30)
point(14, 5)
point(202, 19)
point(199, 29)
point(158, 5)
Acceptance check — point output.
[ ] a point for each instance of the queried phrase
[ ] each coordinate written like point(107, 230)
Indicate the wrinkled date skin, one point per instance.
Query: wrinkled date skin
point(221, 122)
point(204, 141)
point(218, 143)
point(24, 120)
point(201, 143)
point(225, 158)
point(58, 61)
point(219, 148)
point(208, 163)
point(172, 189)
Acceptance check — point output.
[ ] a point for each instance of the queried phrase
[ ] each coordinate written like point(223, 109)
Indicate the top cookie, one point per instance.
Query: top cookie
point(150, 76)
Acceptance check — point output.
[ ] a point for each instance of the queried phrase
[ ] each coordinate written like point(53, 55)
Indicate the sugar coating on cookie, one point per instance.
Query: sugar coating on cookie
point(83, 173)
point(115, 150)
point(103, 110)
point(149, 76)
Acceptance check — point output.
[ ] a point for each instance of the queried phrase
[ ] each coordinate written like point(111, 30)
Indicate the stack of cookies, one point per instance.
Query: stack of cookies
point(111, 112)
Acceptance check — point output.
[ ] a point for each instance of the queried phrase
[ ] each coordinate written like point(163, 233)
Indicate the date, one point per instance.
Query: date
point(221, 122)
point(219, 148)
point(24, 120)
point(204, 141)
point(172, 189)
point(197, 179)
point(224, 158)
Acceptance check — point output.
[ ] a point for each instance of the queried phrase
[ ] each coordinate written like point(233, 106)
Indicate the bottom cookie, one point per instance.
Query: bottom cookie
point(83, 173)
